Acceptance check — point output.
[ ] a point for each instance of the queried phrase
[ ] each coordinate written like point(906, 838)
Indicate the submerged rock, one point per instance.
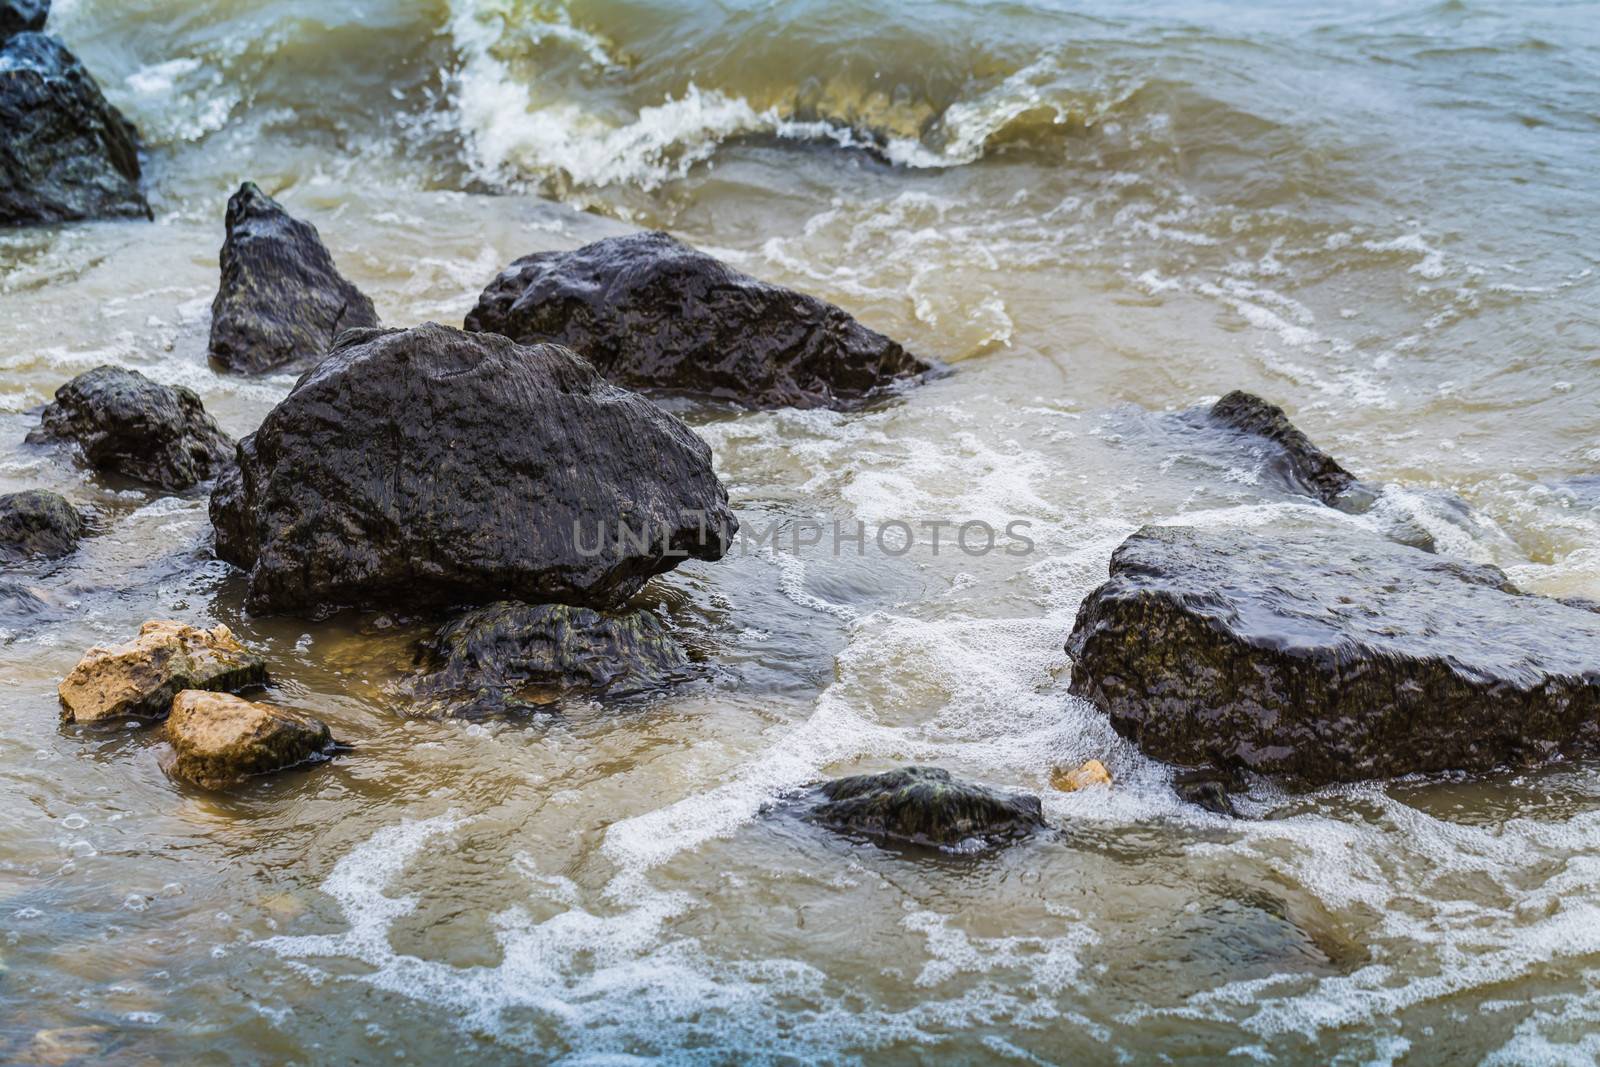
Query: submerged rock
point(138, 680)
point(22, 16)
point(219, 740)
point(127, 424)
point(511, 656)
point(432, 467)
point(282, 301)
point(37, 523)
point(1330, 655)
point(652, 313)
point(925, 806)
point(65, 153)
point(1294, 458)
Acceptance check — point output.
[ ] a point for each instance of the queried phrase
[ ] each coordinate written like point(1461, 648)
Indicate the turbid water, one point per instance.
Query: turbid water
point(1098, 215)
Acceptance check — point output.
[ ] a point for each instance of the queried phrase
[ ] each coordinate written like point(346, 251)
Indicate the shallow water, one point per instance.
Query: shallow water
point(1099, 216)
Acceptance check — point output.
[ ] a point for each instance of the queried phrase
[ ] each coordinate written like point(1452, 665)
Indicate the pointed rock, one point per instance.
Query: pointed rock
point(65, 153)
point(431, 467)
point(125, 423)
point(650, 312)
point(1297, 460)
point(282, 301)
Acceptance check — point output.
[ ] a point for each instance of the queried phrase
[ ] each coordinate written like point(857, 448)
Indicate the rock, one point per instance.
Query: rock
point(22, 16)
point(66, 1045)
point(432, 467)
point(282, 300)
point(652, 313)
point(510, 656)
point(1293, 457)
point(925, 806)
point(1092, 773)
point(65, 153)
point(1207, 789)
point(138, 680)
point(37, 523)
point(127, 424)
point(1328, 654)
point(219, 740)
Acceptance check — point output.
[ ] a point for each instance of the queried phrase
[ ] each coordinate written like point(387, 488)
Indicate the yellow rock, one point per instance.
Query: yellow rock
point(1092, 773)
point(138, 679)
point(218, 739)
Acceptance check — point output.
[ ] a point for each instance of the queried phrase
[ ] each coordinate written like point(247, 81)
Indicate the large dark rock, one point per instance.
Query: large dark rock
point(435, 467)
point(22, 16)
point(1290, 453)
point(1327, 654)
point(37, 523)
point(127, 424)
point(652, 313)
point(510, 657)
point(925, 806)
point(282, 300)
point(65, 153)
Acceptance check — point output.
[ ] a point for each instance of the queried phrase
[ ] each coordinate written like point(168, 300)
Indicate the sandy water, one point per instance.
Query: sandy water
point(1099, 216)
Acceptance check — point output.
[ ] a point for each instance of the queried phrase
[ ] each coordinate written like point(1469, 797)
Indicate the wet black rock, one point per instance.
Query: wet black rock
point(432, 467)
point(1294, 458)
point(36, 523)
point(925, 806)
point(1207, 789)
point(22, 16)
point(510, 657)
point(652, 313)
point(124, 423)
point(65, 153)
point(1328, 654)
point(282, 301)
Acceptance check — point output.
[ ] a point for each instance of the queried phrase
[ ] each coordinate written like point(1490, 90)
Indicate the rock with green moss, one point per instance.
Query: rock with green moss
point(282, 301)
point(508, 657)
point(925, 806)
point(1329, 654)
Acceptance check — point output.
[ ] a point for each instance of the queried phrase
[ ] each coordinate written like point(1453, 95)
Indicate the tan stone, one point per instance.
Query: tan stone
point(1092, 773)
point(138, 679)
point(66, 1045)
point(218, 740)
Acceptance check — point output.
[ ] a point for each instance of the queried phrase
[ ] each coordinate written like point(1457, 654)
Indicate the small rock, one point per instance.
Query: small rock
point(1298, 461)
point(925, 806)
point(37, 523)
point(60, 1046)
point(650, 312)
point(65, 153)
point(282, 300)
point(508, 656)
point(1208, 790)
point(218, 740)
point(22, 16)
point(1091, 773)
point(431, 467)
point(127, 424)
point(138, 680)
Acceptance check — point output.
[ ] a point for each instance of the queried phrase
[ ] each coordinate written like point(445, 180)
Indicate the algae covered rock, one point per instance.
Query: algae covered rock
point(122, 422)
point(511, 656)
point(282, 301)
point(218, 740)
point(65, 153)
point(36, 523)
point(925, 806)
point(1329, 654)
point(138, 679)
point(433, 467)
point(650, 312)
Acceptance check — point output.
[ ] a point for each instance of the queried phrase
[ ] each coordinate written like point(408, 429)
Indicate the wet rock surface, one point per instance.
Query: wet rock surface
point(138, 679)
point(1292, 456)
point(434, 467)
point(1329, 654)
point(282, 300)
point(36, 523)
point(653, 313)
point(925, 806)
point(22, 16)
point(219, 740)
point(510, 657)
point(124, 423)
point(65, 153)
